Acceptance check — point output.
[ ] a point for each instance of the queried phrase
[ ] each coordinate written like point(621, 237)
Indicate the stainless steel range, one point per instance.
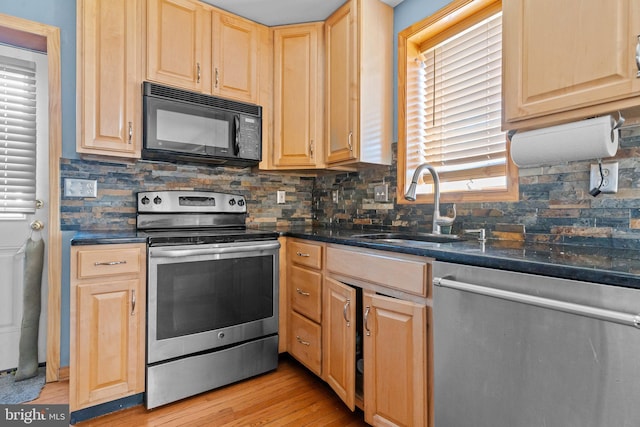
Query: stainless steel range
point(212, 293)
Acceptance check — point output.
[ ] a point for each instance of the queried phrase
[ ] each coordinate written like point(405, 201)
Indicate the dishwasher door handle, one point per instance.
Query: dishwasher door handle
point(567, 307)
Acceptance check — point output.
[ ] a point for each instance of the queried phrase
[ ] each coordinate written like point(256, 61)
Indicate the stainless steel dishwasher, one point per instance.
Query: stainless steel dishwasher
point(522, 350)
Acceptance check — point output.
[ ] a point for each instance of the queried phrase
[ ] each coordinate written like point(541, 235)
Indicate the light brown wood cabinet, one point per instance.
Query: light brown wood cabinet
point(194, 46)
point(108, 288)
point(339, 340)
point(298, 97)
point(358, 94)
point(568, 60)
point(392, 321)
point(178, 44)
point(235, 52)
point(304, 287)
point(109, 75)
point(395, 362)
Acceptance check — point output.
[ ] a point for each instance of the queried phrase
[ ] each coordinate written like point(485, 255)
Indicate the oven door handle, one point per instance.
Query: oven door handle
point(215, 250)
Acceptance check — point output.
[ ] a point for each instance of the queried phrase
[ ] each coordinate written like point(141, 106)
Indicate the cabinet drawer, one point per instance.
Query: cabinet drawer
point(405, 273)
point(305, 340)
point(103, 261)
point(306, 254)
point(305, 292)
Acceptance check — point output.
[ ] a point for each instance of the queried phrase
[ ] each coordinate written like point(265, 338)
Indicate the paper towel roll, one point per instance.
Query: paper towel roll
point(586, 139)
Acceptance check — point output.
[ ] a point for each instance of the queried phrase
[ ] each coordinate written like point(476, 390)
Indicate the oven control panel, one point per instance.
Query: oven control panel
point(190, 201)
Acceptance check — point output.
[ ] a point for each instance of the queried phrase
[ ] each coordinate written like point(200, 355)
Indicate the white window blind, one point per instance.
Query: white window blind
point(458, 108)
point(17, 135)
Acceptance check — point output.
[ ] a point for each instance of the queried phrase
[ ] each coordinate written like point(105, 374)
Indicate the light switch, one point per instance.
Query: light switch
point(74, 187)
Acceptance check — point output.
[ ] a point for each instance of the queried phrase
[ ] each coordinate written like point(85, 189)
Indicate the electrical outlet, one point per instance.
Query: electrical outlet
point(334, 195)
point(74, 187)
point(381, 193)
point(282, 195)
point(609, 177)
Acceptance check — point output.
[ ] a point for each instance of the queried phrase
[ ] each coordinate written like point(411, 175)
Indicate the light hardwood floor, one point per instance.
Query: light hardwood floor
point(289, 396)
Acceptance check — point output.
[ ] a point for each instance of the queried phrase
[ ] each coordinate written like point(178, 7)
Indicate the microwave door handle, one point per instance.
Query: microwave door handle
point(236, 134)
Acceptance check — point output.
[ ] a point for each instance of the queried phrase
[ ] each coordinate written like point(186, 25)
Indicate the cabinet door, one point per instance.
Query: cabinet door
point(235, 57)
point(395, 362)
point(342, 131)
point(339, 339)
point(109, 342)
point(298, 107)
point(178, 37)
point(566, 55)
point(109, 50)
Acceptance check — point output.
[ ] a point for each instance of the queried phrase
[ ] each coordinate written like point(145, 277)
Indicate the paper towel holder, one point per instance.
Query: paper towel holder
point(591, 138)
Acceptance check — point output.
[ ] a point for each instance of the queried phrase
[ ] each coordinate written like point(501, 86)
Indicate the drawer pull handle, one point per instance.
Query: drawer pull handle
point(301, 292)
point(638, 57)
point(198, 72)
point(302, 254)
point(133, 302)
point(366, 320)
point(344, 312)
point(110, 263)
point(301, 341)
point(130, 133)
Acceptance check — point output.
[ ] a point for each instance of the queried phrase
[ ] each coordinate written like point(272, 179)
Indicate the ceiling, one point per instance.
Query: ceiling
point(279, 12)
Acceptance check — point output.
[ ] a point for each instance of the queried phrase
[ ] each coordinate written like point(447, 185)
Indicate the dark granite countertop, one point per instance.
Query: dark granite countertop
point(107, 237)
point(620, 267)
point(610, 266)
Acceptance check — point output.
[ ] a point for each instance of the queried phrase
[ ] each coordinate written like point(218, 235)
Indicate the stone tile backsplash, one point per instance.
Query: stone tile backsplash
point(554, 206)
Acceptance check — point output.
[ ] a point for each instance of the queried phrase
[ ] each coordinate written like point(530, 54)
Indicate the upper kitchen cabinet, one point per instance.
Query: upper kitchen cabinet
point(109, 75)
point(236, 55)
point(359, 45)
point(298, 97)
point(178, 44)
point(568, 60)
point(197, 47)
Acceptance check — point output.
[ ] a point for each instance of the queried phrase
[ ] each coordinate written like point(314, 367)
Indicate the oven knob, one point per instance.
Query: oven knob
point(145, 200)
point(232, 202)
point(220, 335)
point(241, 202)
point(157, 200)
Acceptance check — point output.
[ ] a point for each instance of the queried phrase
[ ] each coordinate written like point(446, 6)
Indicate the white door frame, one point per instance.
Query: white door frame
point(46, 38)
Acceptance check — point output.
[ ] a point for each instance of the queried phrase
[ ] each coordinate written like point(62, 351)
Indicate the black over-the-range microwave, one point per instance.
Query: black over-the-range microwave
point(184, 126)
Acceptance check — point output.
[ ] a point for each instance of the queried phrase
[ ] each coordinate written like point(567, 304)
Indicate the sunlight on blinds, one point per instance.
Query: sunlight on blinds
point(457, 125)
point(17, 135)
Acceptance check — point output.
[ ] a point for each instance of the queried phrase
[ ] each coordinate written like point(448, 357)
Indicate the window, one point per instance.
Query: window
point(17, 136)
point(450, 93)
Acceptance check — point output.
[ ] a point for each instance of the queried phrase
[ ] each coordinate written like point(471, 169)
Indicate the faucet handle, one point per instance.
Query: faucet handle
point(445, 220)
point(479, 231)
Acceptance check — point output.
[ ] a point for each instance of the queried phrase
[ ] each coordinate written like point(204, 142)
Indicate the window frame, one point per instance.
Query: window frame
point(446, 22)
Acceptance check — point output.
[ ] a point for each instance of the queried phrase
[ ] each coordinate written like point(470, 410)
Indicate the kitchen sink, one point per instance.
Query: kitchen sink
point(408, 238)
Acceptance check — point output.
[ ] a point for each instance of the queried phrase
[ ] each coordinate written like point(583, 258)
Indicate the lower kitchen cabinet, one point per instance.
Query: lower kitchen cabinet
point(368, 336)
point(305, 261)
point(395, 362)
point(108, 284)
point(339, 339)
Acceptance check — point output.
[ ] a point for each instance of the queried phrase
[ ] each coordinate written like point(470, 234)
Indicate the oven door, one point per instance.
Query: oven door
point(203, 297)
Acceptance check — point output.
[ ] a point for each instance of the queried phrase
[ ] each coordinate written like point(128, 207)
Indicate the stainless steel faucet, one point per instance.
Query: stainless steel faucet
point(438, 220)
